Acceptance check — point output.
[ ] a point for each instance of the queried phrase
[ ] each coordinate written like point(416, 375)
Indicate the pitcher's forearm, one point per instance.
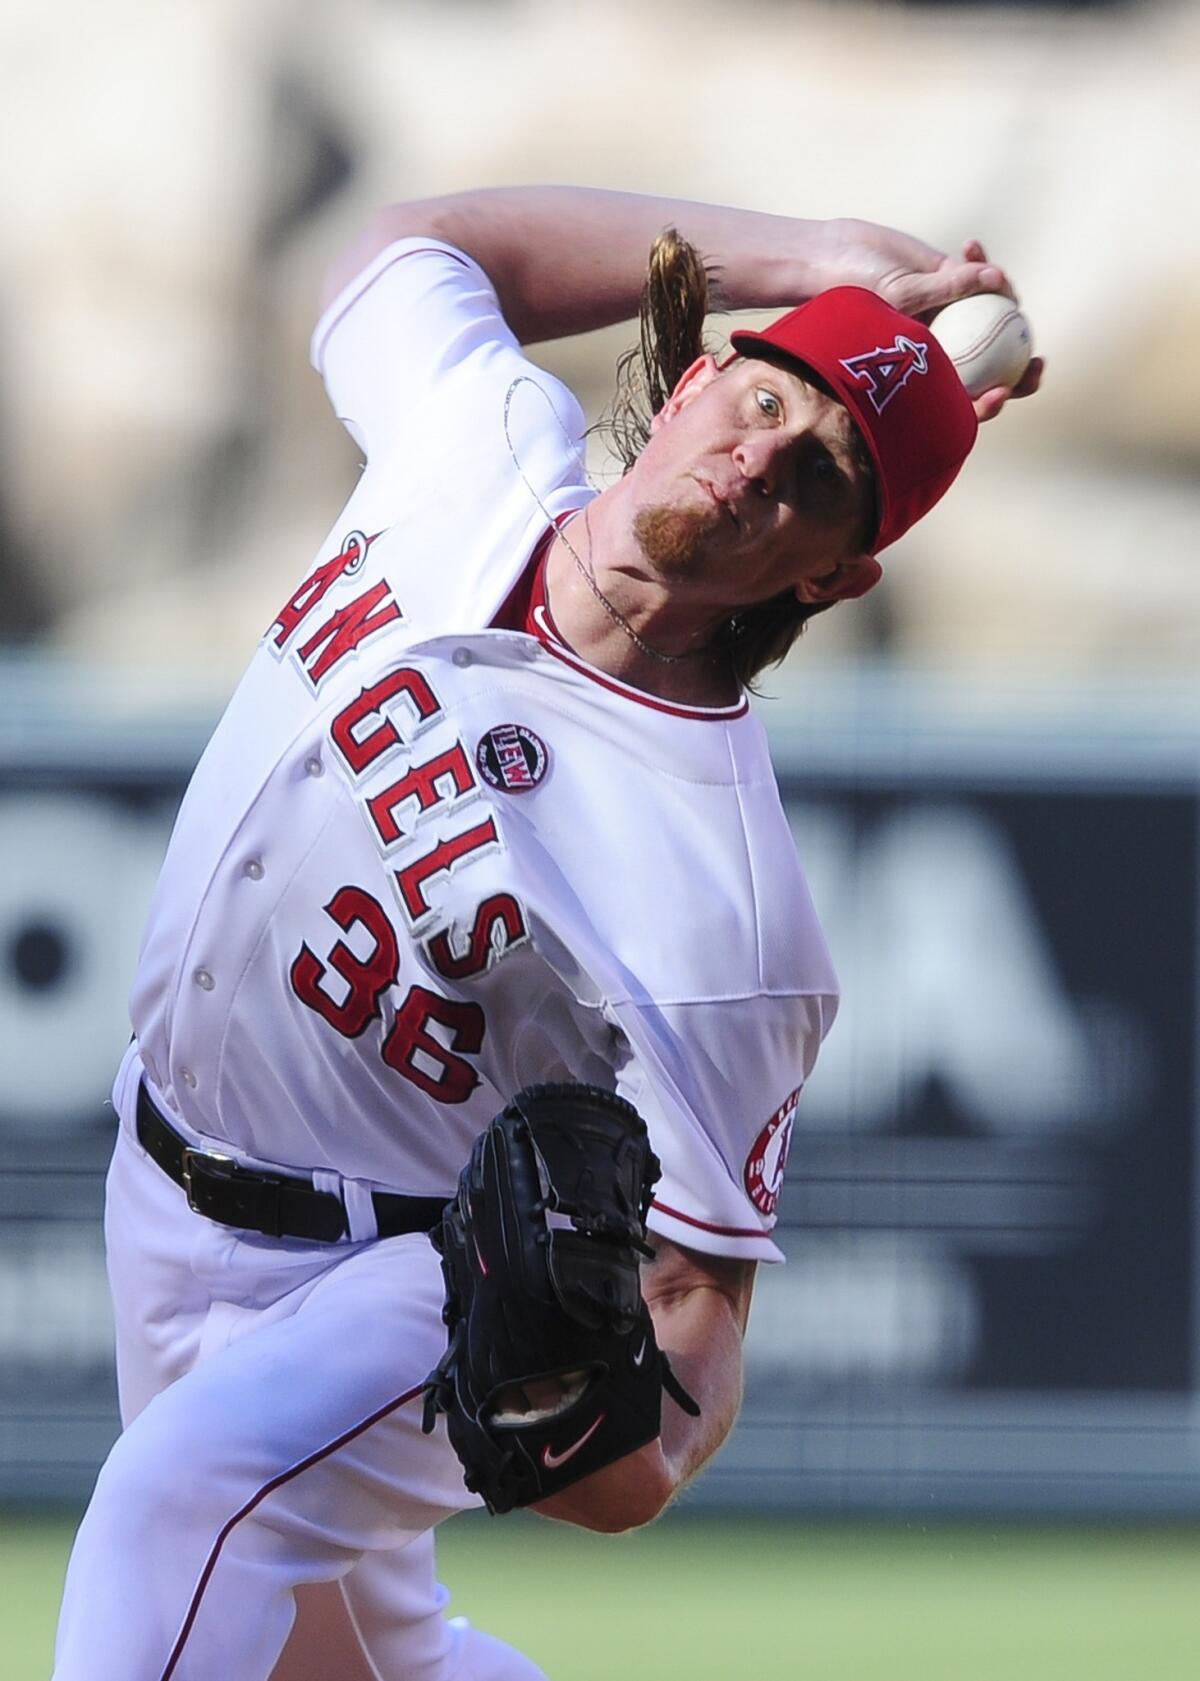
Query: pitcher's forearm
point(568, 259)
point(701, 1332)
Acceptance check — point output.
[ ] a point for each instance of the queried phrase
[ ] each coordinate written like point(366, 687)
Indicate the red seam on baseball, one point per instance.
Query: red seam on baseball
point(993, 332)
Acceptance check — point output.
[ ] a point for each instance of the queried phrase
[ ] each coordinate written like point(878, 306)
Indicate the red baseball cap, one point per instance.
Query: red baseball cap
point(900, 386)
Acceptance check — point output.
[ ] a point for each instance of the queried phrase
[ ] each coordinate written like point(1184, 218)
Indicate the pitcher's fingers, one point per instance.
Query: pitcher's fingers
point(989, 403)
point(1031, 379)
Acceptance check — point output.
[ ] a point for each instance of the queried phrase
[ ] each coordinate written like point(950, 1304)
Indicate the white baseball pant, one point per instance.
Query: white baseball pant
point(272, 1454)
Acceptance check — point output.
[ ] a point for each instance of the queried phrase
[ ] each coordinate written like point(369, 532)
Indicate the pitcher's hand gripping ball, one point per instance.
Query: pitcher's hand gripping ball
point(551, 1370)
point(988, 340)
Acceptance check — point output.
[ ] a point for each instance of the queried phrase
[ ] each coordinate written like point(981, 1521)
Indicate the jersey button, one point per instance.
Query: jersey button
point(253, 867)
point(462, 657)
point(203, 980)
point(314, 767)
point(188, 1078)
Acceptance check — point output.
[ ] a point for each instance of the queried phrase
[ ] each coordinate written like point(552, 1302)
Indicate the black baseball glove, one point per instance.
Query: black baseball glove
point(551, 1369)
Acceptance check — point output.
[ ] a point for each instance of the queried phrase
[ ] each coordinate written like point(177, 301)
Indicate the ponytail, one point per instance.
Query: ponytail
point(679, 293)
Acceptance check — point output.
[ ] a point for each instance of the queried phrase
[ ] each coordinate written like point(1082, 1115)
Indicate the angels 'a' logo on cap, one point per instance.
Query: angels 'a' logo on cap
point(763, 1176)
point(884, 372)
point(510, 757)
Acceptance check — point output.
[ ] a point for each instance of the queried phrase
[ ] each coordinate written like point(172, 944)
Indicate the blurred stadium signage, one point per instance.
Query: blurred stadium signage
point(990, 1204)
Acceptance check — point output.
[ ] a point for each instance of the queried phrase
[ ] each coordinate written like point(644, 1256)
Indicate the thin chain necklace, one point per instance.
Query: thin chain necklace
point(614, 613)
point(585, 571)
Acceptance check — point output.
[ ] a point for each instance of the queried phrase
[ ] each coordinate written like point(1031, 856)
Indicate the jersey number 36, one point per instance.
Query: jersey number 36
point(440, 1070)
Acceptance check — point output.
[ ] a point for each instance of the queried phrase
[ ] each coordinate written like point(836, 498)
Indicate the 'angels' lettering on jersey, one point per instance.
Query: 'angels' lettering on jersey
point(385, 722)
point(440, 859)
point(499, 927)
point(347, 627)
point(370, 729)
point(361, 743)
point(444, 777)
point(385, 719)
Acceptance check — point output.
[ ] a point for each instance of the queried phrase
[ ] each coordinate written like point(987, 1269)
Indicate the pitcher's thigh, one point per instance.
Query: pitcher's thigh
point(278, 1461)
point(385, 1619)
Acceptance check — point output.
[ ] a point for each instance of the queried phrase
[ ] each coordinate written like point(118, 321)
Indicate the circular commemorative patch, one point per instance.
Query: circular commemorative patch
point(768, 1157)
point(510, 757)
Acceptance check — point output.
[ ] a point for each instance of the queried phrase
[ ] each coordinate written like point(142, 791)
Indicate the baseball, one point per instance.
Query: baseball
point(987, 338)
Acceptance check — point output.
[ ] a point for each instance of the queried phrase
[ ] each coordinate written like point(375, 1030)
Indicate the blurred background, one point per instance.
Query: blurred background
point(973, 1399)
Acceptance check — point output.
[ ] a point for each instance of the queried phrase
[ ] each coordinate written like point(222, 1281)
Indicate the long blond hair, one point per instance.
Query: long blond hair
point(681, 290)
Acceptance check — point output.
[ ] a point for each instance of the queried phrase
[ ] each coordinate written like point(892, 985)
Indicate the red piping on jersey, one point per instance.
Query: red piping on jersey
point(529, 591)
point(255, 1500)
point(527, 608)
point(707, 1226)
point(707, 714)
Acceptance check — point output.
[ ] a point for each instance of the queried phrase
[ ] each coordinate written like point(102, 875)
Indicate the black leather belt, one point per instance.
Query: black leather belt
point(275, 1204)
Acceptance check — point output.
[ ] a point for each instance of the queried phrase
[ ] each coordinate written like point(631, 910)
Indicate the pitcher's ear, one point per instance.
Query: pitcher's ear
point(692, 381)
point(845, 581)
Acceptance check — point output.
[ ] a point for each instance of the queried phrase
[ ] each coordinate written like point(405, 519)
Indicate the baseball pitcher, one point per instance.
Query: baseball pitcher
point(482, 980)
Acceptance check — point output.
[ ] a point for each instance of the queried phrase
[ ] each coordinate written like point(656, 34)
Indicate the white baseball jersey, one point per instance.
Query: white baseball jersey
point(423, 862)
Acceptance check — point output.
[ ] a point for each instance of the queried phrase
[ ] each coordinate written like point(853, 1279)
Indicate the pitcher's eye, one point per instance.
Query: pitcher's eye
point(768, 403)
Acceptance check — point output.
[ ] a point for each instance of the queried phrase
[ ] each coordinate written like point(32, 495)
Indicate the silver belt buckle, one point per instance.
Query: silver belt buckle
point(190, 1155)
